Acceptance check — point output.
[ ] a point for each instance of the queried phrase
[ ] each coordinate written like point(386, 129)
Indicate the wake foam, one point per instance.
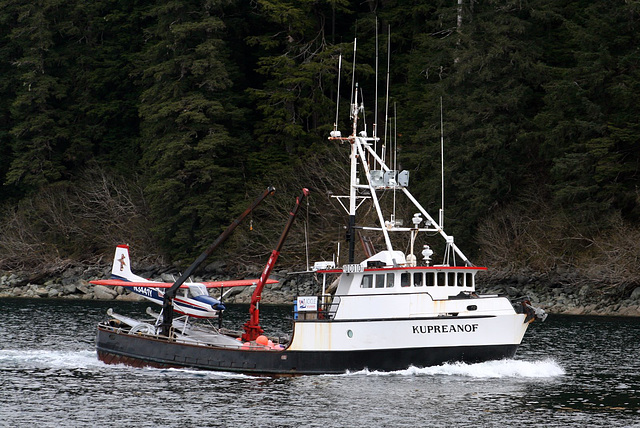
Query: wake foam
point(203, 373)
point(38, 358)
point(490, 369)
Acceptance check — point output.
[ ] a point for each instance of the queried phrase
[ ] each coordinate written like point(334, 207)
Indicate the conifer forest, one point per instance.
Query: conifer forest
point(155, 123)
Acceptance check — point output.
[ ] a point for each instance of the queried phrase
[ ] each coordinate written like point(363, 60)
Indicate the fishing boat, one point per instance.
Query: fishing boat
point(392, 310)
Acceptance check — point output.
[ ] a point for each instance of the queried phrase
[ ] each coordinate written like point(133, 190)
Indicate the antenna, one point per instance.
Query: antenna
point(361, 108)
point(394, 144)
point(375, 119)
point(395, 136)
point(335, 125)
point(386, 110)
point(353, 73)
point(441, 164)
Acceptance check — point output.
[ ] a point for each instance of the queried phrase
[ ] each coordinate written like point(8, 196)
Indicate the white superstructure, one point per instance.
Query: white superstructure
point(393, 301)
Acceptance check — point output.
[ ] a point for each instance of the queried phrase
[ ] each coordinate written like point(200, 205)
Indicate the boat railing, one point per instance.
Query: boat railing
point(326, 309)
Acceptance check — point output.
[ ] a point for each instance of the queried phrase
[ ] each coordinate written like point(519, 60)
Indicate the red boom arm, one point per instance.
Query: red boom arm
point(252, 327)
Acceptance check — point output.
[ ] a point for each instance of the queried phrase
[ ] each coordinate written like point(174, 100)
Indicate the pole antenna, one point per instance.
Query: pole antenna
point(386, 109)
point(375, 119)
point(335, 124)
point(441, 164)
point(394, 144)
point(353, 74)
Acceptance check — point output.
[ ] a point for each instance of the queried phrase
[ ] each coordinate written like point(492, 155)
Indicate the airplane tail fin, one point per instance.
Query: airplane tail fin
point(121, 268)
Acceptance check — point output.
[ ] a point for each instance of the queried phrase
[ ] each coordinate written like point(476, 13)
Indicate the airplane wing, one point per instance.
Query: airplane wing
point(213, 284)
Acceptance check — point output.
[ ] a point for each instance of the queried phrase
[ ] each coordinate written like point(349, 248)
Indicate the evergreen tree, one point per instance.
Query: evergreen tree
point(487, 74)
point(299, 67)
point(101, 39)
point(591, 115)
point(40, 132)
point(192, 163)
point(211, 99)
point(73, 99)
point(8, 85)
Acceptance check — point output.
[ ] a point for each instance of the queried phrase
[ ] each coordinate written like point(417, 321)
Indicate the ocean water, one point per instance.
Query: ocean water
point(570, 371)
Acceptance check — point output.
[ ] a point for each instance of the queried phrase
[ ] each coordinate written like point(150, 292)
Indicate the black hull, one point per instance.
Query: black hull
point(141, 351)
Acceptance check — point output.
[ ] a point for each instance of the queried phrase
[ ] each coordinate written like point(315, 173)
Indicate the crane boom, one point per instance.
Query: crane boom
point(170, 294)
point(252, 327)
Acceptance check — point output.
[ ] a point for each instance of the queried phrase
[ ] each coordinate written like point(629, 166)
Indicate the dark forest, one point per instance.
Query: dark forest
point(156, 123)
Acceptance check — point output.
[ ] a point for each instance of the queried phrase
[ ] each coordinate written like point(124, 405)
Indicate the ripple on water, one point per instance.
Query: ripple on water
point(570, 371)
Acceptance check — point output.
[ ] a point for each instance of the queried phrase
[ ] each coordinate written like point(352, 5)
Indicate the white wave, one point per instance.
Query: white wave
point(490, 369)
point(42, 358)
point(204, 373)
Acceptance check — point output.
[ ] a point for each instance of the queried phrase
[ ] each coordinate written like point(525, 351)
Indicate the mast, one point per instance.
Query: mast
point(351, 234)
point(362, 149)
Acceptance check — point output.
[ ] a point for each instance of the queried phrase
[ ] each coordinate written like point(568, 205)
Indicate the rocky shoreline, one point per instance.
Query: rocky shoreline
point(556, 294)
point(73, 283)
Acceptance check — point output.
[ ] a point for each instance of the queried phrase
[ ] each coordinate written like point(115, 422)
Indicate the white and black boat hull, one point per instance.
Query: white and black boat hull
point(118, 347)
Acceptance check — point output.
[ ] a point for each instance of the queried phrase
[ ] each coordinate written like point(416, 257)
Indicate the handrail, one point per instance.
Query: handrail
point(326, 311)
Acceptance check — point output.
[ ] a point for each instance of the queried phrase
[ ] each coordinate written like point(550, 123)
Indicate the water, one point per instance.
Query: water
point(570, 371)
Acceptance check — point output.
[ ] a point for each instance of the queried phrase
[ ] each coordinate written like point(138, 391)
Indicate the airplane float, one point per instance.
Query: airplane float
point(194, 301)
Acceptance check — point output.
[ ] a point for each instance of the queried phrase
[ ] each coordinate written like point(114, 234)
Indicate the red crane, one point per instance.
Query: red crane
point(252, 327)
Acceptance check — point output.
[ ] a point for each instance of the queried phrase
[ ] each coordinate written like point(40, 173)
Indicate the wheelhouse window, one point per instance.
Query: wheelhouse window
point(390, 280)
point(430, 279)
point(367, 281)
point(404, 280)
point(380, 280)
point(451, 279)
point(441, 279)
point(469, 279)
point(417, 279)
point(460, 279)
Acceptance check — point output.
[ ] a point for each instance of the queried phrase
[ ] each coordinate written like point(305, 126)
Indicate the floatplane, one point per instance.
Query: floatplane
point(388, 311)
point(194, 300)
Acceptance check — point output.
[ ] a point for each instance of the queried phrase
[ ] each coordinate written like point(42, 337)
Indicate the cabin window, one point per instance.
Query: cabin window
point(390, 278)
point(430, 279)
point(469, 280)
point(451, 279)
point(380, 280)
point(404, 280)
point(460, 278)
point(367, 281)
point(441, 279)
point(417, 279)
point(197, 290)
